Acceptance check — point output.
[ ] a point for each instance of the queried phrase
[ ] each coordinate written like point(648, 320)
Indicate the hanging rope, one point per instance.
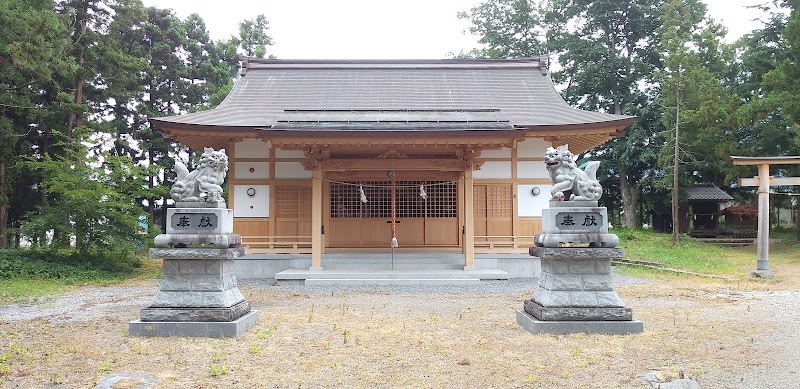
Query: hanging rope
point(361, 185)
point(394, 244)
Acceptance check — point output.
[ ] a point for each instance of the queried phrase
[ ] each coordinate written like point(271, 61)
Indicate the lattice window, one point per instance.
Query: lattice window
point(479, 201)
point(442, 199)
point(499, 201)
point(304, 196)
point(379, 200)
point(346, 199)
point(287, 203)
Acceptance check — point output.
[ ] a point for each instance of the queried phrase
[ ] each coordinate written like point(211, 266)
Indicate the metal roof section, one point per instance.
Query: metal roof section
point(393, 95)
point(706, 192)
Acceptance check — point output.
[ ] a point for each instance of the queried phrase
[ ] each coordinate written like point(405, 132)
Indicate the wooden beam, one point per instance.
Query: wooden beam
point(469, 221)
point(788, 160)
point(762, 263)
point(316, 219)
point(398, 164)
point(773, 181)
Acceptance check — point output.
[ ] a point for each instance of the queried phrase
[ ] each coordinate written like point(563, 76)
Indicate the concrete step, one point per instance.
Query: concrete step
point(397, 256)
point(387, 265)
point(416, 274)
point(382, 261)
point(391, 281)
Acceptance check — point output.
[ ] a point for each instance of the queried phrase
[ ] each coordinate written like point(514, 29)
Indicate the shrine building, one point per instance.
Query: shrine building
point(331, 156)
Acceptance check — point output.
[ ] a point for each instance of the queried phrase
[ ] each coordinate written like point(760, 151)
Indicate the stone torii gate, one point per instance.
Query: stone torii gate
point(763, 181)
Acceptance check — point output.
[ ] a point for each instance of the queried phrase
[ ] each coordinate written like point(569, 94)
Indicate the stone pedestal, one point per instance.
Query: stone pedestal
point(575, 293)
point(198, 295)
point(577, 223)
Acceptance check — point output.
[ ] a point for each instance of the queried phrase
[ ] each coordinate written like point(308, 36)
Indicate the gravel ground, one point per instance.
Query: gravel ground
point(92, 303)
point(726, 335)
point(513, 286)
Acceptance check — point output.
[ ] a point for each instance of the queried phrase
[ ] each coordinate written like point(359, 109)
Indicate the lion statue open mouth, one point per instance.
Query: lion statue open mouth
point(205, 182)
point(567, 176)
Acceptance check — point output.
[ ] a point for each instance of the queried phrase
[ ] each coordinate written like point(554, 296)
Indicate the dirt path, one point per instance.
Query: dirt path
point(725, 335)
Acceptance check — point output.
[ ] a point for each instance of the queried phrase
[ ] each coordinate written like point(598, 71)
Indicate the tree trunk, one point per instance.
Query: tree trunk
point(3, 207)
point(630, 199)
point(151, 183)
point(75, 119)
point(797, 221)
point(676, 166)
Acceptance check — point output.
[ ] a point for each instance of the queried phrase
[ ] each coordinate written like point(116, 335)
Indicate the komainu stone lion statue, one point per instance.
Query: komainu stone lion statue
point(203, 183)
point(567, 176)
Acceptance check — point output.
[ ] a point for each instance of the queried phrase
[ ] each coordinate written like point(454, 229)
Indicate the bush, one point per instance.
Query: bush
point(67, 265)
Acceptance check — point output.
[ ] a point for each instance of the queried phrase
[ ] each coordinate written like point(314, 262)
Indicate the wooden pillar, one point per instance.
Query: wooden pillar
point(469, 220)
point(316, 218)
point(762, 263)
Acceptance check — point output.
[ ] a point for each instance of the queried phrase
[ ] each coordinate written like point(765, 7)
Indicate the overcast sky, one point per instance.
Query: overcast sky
point(377, 29)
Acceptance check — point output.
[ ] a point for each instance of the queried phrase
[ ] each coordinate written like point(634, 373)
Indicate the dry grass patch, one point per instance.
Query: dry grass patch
point(381, 339)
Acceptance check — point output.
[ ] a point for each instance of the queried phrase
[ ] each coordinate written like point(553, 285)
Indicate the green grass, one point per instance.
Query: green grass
point(27, 275)
point(695, 256)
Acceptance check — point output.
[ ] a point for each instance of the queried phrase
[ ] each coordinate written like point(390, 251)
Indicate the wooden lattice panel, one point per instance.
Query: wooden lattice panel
point(479, 201)
point(304, 198)
point(293, 201)
point(442, 199)
point(345, 199)
point(499, 201)
point(286, 201)
point(493, 210)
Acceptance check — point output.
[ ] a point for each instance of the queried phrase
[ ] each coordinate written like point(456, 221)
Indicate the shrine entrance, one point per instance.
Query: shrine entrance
point(360, 213)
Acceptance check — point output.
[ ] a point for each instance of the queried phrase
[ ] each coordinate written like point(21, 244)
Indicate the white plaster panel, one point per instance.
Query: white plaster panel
point(532, 169)
point(251, 170)
point(504, 153)
point(245, 205)
point(530, 205)
point(291, 170)
point(493, 169)
point(280, 153)
point(532, 148)
point(252, 148)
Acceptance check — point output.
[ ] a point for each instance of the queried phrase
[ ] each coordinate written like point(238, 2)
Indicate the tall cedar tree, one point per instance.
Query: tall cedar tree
point(34, 57)
point(606, 50)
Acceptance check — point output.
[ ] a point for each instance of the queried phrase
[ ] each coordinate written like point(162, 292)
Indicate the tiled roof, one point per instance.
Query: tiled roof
point(706, 192)
point(394, 95)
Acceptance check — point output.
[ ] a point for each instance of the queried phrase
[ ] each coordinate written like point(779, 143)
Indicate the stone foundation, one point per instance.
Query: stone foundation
point(196, 314)
point(198, 295)
point(576, 293)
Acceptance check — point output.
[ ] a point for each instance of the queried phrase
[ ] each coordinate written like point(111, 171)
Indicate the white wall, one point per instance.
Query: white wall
point(494, 169)
point(252, 148)
point(291, 170)
point(532, 169)
point(251, 206)
point(504, 153)
point(251, 170)
point(530, 205)
point(532, 148)
point(280, 153)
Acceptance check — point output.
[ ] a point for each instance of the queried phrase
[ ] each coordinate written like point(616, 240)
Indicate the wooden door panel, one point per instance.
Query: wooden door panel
point(493, 210)
point(375, 232)
point(410, 231)
point(344, 232)
point(421, 221)
point(442, 231)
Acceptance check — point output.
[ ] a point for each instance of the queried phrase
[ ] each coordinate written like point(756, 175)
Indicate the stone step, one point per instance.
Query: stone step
point(400, 256)
point(391, 281)
point(416, 274)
